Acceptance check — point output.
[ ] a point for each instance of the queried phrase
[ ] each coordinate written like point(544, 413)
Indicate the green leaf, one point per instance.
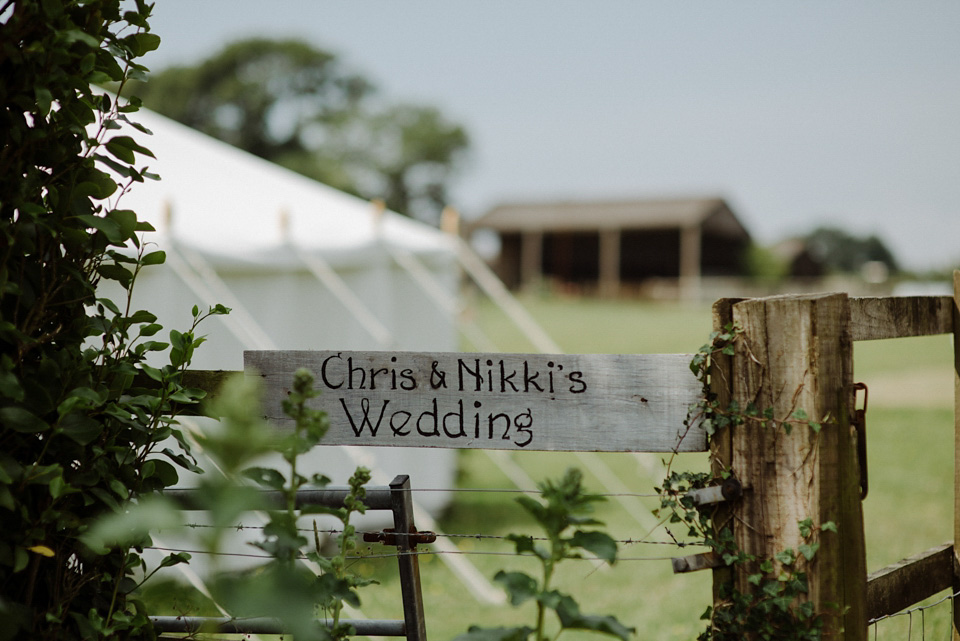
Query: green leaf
point(20, 419)
point(175, 558)
point(476, 633)
point(147, 42)
point(598, 543)
point(786, 557)
point(108, 227)
point(80, 428)
point(10, 386)
point(150, 330)
point(519, 587)
point(266, 477)
point(44, 99)
point(142, 316)
point(154, 258)
point(570, 618)
point(163, 470)
point(808, 550)
point(152, 372)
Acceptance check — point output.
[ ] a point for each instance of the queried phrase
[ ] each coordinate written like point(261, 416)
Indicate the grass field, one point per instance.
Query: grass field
point(909, 508)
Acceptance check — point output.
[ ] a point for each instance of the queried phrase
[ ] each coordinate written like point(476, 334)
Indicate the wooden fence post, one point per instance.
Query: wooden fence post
point(796, 354)
point(956, 454)
point(721, 444)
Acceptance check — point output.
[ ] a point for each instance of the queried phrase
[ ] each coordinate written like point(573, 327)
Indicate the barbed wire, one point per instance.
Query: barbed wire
point(503, 490)
point(393, 555)
point(240, 527)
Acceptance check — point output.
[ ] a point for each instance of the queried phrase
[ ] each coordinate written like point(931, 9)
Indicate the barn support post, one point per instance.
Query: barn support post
point(796, 354)
point(609, 267)
point(690, 264)
point(531, 259)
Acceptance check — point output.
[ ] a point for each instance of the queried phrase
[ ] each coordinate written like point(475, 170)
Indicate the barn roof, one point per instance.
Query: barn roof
point(667, 213)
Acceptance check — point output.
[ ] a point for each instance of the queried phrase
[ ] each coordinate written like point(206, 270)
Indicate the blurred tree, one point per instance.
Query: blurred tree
point(297, 106)
point(840, 251)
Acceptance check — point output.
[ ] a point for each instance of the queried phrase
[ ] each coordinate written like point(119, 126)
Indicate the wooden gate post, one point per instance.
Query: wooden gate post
point(796, 354)
point(956, 452)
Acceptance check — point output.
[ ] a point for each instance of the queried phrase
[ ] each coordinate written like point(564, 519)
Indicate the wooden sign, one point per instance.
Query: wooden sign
point(595, 402)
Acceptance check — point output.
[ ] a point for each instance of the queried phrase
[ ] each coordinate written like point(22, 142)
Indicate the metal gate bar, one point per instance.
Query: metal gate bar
point(394, 497)
point(267, 625)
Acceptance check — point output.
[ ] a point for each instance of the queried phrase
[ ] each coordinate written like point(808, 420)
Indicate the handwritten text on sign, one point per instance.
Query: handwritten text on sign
point(594, 402)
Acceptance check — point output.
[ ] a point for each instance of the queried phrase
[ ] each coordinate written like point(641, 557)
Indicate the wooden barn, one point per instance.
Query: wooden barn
point(610, 246)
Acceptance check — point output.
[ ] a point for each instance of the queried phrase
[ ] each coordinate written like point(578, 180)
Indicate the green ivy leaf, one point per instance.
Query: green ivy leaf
point(786, 557)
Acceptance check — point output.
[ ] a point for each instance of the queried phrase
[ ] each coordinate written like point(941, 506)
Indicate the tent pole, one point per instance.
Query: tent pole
point(495, 289)
point(429, 284)
point(240, 323)
point(323, 272)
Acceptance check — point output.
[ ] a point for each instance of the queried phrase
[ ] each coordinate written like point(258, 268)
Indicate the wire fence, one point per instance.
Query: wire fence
point(473, 536)
point(915, 623)
point(931, 620)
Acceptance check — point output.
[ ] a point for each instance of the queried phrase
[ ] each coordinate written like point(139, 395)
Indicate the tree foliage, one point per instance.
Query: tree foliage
point(300, 107)
point(81, 432)
point(840, 251)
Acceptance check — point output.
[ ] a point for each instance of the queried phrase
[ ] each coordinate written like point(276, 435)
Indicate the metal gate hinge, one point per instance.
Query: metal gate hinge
point(729, 490)
point(859, 421)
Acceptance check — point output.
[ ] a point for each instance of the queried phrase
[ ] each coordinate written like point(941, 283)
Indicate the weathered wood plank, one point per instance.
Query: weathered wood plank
point(596, 402)
point(898, 317)
point(907, 582)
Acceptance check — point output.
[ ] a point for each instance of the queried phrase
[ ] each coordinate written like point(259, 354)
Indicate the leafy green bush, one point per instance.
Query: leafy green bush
point(83, 415)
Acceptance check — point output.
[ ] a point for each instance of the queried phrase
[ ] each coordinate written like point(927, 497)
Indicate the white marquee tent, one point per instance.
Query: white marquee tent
point(308, 267)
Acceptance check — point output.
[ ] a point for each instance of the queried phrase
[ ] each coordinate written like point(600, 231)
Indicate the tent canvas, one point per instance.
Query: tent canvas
point(254, 222)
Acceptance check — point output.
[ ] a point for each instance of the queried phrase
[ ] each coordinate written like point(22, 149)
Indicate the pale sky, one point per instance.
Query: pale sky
point(800, 113)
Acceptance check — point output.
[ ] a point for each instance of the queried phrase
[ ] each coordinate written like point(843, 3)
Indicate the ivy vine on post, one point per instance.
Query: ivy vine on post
point(789, 404)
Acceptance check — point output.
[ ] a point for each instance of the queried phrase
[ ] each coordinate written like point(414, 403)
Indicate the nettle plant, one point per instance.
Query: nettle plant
point(287, 586)
point(777, 607)
point(563, 513)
